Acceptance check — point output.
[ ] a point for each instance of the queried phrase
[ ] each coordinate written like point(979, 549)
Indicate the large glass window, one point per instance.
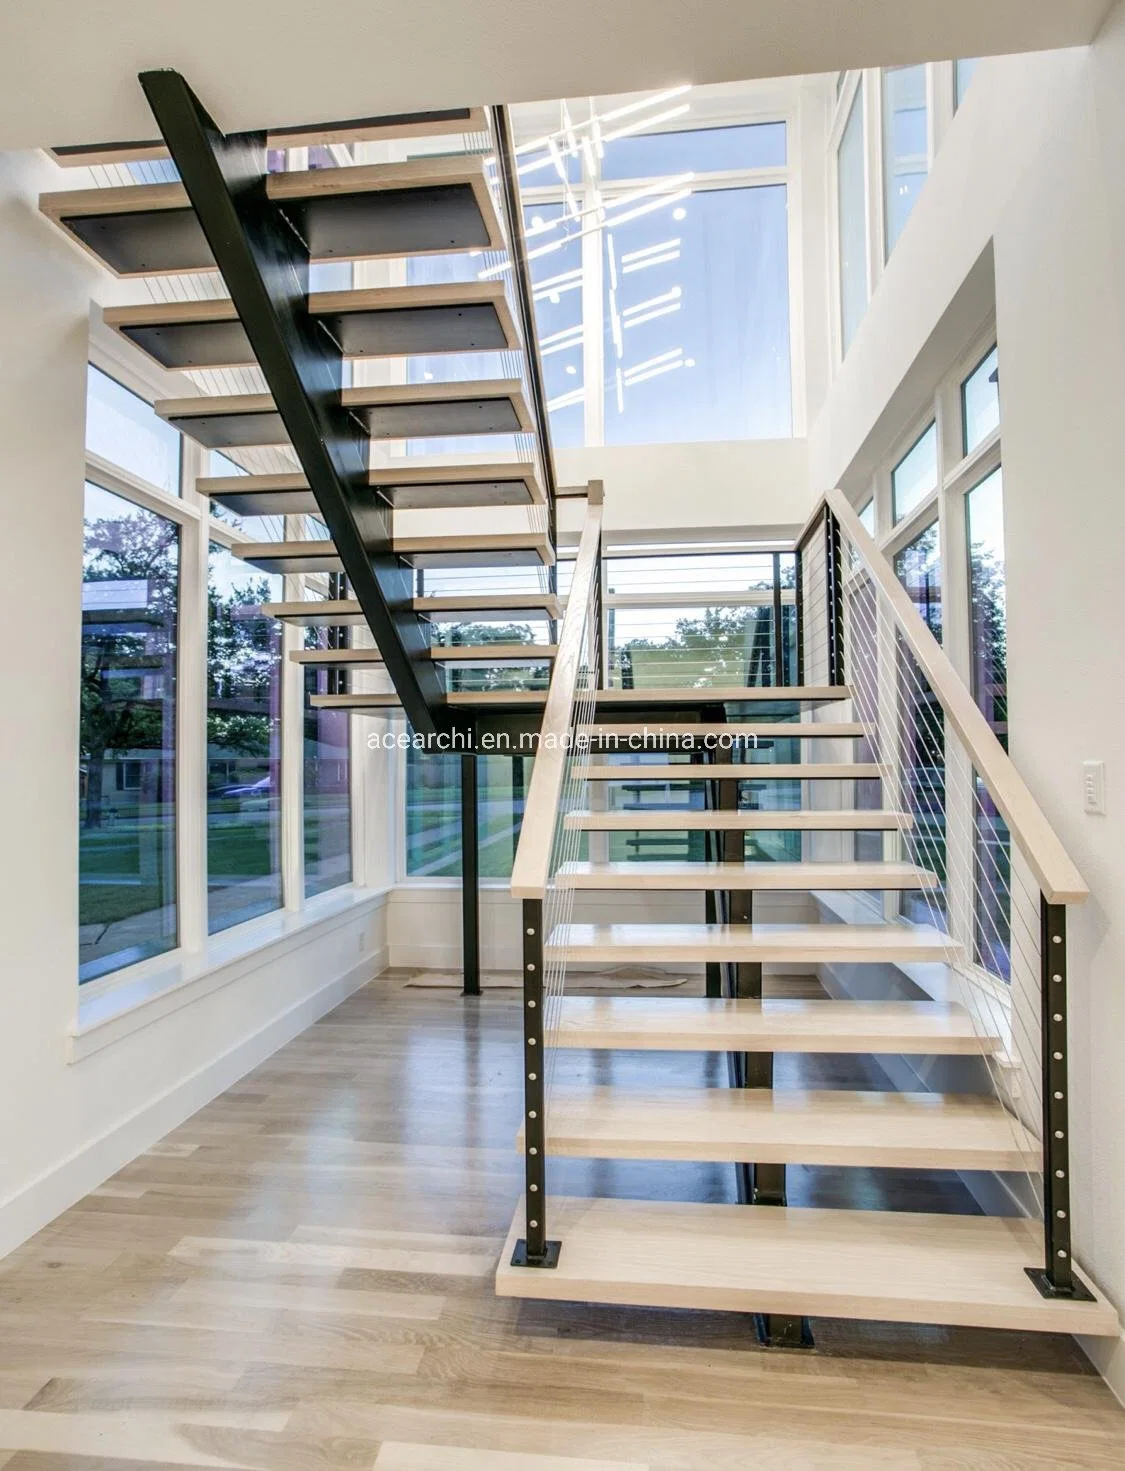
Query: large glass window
point(433, 813)
point(918, 568)
point(697, 320)
point(698, 150)
point(980, 402)
point(127, 813)
point(916, 474)
point(851, 176)
point(906, 145)
point(243, 743)
point(556, 279)
point(984, 507)
point(985, 510)
point(327, 774)
point(122, 428)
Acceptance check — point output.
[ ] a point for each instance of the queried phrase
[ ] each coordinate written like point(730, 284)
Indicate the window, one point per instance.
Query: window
point(243, 743)
point(980, 403)
point(433, 813)
point(698, 151)
point(984, 508)
point(916, 474)
point(127, 806)
point(660, 267)
point(867, 517)
point(918, 568)
point(122, 428)
point(906, 147)
point(963, 73)
point(697, 320)
point(327, 774)
point(851, 189)
point(556, 280)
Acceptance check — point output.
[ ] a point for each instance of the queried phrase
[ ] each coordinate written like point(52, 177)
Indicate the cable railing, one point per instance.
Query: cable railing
point(999, 879)
point(547, 842)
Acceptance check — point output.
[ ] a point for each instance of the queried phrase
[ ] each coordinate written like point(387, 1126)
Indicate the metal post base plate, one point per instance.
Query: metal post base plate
point(1079, 1292)
point(778, 1330)
point(550, 1258)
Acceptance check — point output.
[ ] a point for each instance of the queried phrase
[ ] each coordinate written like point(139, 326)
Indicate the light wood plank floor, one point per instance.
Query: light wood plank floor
point(300, 1278)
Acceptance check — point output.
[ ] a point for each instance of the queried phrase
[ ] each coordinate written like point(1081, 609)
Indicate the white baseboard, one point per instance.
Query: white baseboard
point(39, 1203)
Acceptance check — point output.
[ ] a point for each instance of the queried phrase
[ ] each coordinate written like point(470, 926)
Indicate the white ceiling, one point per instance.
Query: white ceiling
point(68, 70)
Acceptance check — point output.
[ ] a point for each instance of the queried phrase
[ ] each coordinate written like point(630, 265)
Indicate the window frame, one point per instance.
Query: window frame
point(941, 116)
point(190, 511)
point(590, 192)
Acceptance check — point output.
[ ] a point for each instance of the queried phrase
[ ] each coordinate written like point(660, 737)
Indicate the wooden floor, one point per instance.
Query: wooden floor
point(301, 1277)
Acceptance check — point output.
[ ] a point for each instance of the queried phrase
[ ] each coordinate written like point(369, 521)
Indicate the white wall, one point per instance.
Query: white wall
point(731, 486)
point(1032, 170)
point(70, 77)
point(71, 1123)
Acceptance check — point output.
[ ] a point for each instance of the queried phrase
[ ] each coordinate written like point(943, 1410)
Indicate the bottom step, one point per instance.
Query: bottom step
point(891, 1266)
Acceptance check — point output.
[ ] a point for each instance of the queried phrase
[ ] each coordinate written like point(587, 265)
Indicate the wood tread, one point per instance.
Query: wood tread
point(725, 731)
point(723, 771)
point(372, 322)
point(659, 944)
point(698, 695)
point(420, 206)
point(681, 819)
point(516, 655)
point(499, 607)
point(791, 1126)
point(389, 411)
point(893, 1266)
point(705, 1024)
point(509, 548)
point(411, 488)
point(752, 875)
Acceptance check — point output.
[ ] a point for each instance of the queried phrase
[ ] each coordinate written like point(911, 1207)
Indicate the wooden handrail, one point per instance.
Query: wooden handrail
point(531, 871)
point(1056, 875)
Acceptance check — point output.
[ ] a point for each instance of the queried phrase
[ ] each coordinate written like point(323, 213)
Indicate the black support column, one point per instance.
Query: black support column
point(470, 877)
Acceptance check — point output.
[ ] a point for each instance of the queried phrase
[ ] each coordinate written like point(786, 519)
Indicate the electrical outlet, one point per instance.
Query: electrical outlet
point(1093, 788)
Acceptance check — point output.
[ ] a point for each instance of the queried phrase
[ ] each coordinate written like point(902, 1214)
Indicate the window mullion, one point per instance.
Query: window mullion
point(191, 739)
point(292, 746)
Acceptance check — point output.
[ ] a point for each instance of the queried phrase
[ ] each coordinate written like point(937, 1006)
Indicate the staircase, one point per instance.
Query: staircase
point(982, 1034)
point(884, 980)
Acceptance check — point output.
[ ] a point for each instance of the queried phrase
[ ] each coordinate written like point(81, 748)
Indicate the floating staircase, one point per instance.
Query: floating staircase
point(339, 504)
point(336, 497)
point(710, 780)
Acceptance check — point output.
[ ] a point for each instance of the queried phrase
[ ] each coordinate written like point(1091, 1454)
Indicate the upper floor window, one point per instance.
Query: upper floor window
point(916, 474)
point(980, 403)
point(697, 320)
point(984, 509)
point(906, 145)
point(698, 150)
point(851, 203)
point(126, 431)
point(918, 568)
point(660, 267)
